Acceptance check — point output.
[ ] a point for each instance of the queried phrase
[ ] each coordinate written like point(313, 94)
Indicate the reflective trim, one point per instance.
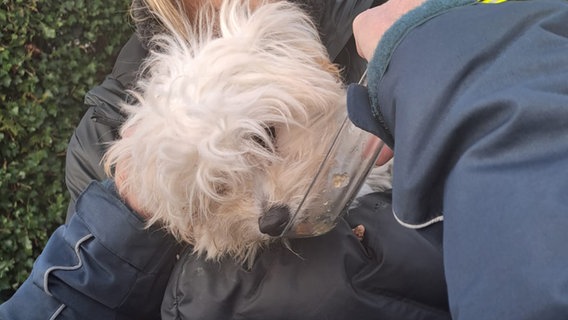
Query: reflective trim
point(418, 226)
point(57, 312)
point(64, 268)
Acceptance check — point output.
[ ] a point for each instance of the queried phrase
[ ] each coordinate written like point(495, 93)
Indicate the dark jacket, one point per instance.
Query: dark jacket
point(474, 99)
point(394, 273)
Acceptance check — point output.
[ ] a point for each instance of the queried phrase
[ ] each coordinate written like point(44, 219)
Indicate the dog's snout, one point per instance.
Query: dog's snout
point(274, 220)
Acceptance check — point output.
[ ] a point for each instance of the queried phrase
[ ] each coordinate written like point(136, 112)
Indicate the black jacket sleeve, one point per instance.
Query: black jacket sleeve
point(100, 122)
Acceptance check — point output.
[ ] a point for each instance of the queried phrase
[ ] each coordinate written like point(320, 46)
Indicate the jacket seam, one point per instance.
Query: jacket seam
point(99, 117)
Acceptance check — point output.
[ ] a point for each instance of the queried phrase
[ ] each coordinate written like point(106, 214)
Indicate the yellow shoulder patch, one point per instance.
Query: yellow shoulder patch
point(491, 1)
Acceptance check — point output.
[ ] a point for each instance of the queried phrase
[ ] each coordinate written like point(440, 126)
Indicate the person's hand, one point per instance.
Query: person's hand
point(119, 180)
point(370, 25)
point(127, 197)
point(385, 155)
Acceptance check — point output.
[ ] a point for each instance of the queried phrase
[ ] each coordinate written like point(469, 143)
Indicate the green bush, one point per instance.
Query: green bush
point(51, 53)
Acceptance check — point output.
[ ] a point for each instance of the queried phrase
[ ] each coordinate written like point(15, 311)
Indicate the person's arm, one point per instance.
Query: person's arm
point(104, 264)
point(101, 122)
point(474, 96)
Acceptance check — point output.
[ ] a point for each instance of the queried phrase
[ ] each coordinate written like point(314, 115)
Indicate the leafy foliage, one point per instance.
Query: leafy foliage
point(51, 54)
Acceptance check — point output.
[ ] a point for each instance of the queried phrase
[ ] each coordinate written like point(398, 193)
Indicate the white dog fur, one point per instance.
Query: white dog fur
point(233, 119)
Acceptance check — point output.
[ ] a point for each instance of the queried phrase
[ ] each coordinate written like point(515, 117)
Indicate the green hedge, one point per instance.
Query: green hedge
point(51, 53)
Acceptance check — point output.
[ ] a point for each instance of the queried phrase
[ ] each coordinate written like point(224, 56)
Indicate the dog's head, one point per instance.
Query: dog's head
point(231, 126)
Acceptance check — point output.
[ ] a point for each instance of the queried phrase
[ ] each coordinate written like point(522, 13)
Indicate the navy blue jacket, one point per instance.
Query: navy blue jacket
point(102, 265)
point(474, 99)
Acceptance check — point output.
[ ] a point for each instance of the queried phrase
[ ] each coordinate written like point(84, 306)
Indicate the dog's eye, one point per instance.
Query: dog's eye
point(222, 190)
point(271, 131)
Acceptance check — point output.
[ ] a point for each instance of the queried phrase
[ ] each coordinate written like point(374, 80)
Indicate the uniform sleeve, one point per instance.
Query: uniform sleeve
point(104, 264)
point(480, 129)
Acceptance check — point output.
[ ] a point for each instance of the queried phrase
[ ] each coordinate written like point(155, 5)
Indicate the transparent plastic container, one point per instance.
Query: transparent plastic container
point(350, 158)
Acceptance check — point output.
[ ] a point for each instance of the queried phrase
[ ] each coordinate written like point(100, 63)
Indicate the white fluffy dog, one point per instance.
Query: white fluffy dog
point(231, 124)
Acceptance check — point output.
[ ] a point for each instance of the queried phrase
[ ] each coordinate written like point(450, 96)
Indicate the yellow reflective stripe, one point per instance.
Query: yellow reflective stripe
point(491, 1)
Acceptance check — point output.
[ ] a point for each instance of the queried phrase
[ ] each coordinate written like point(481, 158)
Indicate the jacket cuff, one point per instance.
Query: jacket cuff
point(120, 230)
point(360, 114)
point(395, 34)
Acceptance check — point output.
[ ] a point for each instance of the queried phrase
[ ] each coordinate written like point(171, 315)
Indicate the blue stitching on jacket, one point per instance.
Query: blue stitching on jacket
point(75, 267)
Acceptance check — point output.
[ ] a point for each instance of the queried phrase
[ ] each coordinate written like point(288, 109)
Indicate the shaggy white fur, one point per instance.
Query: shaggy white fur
point(233, 120)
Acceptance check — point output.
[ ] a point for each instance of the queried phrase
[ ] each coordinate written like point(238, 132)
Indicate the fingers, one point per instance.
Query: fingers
point(385, 155)
point(368, 29)
point(370, 25)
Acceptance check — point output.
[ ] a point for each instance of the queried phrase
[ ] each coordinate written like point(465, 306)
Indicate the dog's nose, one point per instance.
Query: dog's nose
point(274, 220)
